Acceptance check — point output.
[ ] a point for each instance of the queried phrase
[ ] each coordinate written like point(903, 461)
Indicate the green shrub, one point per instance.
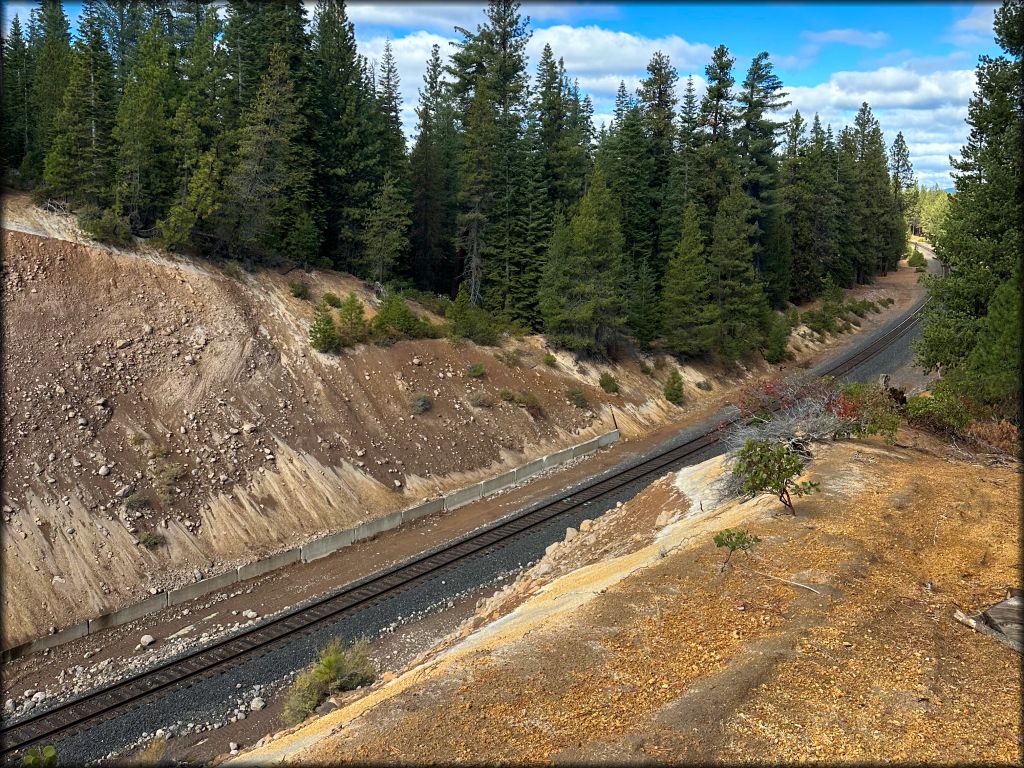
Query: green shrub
point(35, 757)
point(466, 321)
point(476, 371)
point(107, 227)
point(352, 326)
point(776, 343)
point(339, 668)
point(645, 369)
point(659, 362)
point(916, 259)
point(165, 475)
point(888, 301)
point(437, 304)
point(944, 412)
point(323, 333)
point(870, 408)
point(609, 384)
point(506, 395)
point(529, 403)
point(299, 289)
point(151, 540)
point(480, 399)
point(511, 357)
point(767, 467)
point(135, 501)
point(734, 541)
point(673, 389)
point(577, 397)
point(332, 300)
point(420, 402)
point(396, 321)
point(550, 360)
point(704, 384)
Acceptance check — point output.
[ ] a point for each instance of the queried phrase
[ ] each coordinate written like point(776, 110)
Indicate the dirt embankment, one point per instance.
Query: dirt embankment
point(834, 640)
point(149, 397)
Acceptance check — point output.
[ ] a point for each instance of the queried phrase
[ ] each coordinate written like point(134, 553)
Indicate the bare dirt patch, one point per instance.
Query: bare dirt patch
point(662, 658)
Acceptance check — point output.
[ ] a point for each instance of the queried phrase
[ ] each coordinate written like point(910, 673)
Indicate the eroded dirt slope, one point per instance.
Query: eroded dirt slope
point(151, 397)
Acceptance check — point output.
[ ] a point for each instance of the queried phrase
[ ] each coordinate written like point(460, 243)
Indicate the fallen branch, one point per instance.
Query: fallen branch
point(983, 628)
point(787, 581)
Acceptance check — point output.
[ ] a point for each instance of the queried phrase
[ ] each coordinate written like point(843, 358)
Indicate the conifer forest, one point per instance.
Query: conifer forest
point(689, 223)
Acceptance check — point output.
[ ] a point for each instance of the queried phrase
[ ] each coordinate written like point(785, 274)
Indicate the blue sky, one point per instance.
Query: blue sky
point(913, 62)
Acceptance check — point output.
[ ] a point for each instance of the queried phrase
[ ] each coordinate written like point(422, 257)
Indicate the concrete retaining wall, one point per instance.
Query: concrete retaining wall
point(307, 552)
point(272, 563)
point(47, 641)
point(128, 613)
point(427, 508)
point(202, 587)
point(372, 527)
point(325, 546)
point(462, 497)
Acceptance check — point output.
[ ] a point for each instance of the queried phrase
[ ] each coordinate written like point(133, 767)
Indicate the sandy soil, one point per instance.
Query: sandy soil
point(834, 640)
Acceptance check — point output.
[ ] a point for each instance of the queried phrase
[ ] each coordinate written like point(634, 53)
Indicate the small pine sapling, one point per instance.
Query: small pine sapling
point(673, 389)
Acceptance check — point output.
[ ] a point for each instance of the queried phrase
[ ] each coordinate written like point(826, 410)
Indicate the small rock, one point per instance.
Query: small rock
point(233, 746)
point(103, 471)
point(249, 428)
point(663, 519)
point(250, 614)
point(257, 704)
point(147, 640)
point(586, 525)
point(570, 534)
point(122, 343)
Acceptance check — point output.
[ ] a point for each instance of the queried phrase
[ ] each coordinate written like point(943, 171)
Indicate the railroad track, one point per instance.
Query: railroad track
point(80, 713)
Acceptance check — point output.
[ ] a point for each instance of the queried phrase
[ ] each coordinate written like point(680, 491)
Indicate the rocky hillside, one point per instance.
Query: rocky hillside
point(155, 400)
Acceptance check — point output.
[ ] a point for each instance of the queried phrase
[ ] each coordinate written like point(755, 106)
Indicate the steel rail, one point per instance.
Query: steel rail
point(182, 671)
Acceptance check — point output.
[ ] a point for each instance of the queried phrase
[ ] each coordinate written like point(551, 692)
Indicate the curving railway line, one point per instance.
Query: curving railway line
point(86, 711)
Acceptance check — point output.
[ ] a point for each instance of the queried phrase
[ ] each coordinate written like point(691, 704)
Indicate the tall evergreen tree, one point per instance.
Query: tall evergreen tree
point(347, 146)
point(79, 166)
point(717, 119)
point(581, 291)
point(688, 310)
point(393, 159)
point(386, 236)
point(50, 78)
point(17, 97)
point(270, 188)
point(433, 178)
point(683, 179)
point(200, 143)
point(901, 171)
point(972, 326)
point(735, 290)
point(123, 23)
point(145, 173)
point(657, 98)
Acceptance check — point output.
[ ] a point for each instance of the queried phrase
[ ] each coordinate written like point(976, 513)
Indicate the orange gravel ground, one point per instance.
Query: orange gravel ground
point(678, 662)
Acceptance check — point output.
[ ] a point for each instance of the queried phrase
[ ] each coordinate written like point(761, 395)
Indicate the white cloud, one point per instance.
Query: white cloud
point(444, 17)
point(848, 37)
point(929, 108)
point(975, 28)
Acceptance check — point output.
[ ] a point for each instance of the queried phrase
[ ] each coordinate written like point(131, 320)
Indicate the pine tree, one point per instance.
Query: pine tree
point(323, 333)
point(581, 292)
point(628, 162)
point(433, 183)
point(970, 330)
point(687, 310)
point(393, 158)
point(17, 97)
point(644, 308)
point(657, 97)
point(145, 172)
point(52, 71)
point(386, 236)
point(347, 146)
point(901, 170)
point(735, 289)
point(269, 189)
point(79, 166)
point(352, 325)
point(198, 138)
point(683, 180)
point(717, 118)
point(123, 24)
